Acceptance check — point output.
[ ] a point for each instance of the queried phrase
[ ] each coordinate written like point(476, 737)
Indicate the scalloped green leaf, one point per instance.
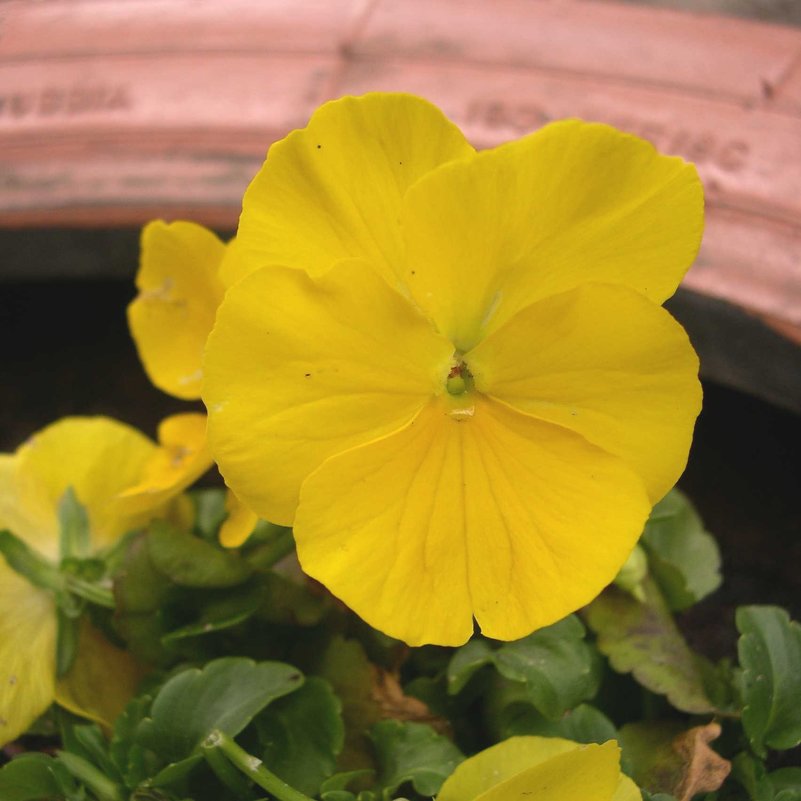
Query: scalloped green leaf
point(769, 650)
point(302, 734)
point(559, 669)
point(642, 639)
point(412, 752)
point(33, 777)
point(683, 556)
point(226, 694)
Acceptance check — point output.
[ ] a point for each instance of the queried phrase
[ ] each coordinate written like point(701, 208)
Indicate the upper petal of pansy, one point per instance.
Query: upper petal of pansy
point(299, 368)
point(27, 653)
point(472, 509)
point(179, 291)
point(543, 768)
point(334, 189)
point(97, 457)
point(181, 458)
point(574, 202)
point(603, 361)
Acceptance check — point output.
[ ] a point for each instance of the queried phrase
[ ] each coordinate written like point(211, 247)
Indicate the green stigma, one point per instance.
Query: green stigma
point(459, 380)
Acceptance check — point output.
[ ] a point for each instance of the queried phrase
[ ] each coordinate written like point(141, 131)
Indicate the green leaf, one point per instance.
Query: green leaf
point(786, 784)
point(302, 735)
point(559, 668)
point(584, 724)
point(642, 639)
point(750, 773)
point(133, 762)
point(224, 613)
point(33, 777)
point(340, 781)
point(192, 562)
point(210, 511)
point(29, 564)
point(226, 694)
point(412, 752)
point(74, 524)
point(770, 656)
point(683, 557)
point(466, 661)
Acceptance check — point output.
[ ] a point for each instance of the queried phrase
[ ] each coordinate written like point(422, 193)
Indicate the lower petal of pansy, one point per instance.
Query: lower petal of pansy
point(298, 369)
point(239, 524)
point(605, 362)
point(27, 653)
point(179, 291)
point(484, 513)
point(102, 679)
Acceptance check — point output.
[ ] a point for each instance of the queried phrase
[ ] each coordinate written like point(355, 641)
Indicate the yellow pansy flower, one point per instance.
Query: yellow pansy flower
point(450, 370)
point(101, 460)
point(541, 768)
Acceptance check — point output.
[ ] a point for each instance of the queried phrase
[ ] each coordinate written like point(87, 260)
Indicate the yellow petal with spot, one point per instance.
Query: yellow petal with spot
point(239, 524)
point(298, 369)
point(179, 291)
point(543, 768)
point(573, 202)
point(27, 653)
point(489, 513)
point(102, 679)
point(99, 458)
point(334, 189)
point(181, 458)
point(605, 362)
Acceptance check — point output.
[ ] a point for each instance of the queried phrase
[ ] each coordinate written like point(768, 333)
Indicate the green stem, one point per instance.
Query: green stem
point(252, 767)
point(103, 787)
point(227, 773)
point(266, 555)
point(90, 592)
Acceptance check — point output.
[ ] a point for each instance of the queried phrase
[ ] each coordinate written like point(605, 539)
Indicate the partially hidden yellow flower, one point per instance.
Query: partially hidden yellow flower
point(541, 769)
point(450, 370)
point(101, 460)
point(183, 274)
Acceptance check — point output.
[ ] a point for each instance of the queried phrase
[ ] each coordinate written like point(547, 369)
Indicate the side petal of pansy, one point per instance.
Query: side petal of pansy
point(300, 368)
point(543, 768)
point(27, 653)
point(181, 458)
point(573, 202)
point(98, 457)
point(334, 189)
point(475, 511)
point(607, 363)
point(179, 292)
point(102, 679)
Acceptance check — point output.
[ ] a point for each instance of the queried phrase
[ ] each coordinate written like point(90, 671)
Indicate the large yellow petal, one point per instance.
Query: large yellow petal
point(541, 768)
point(102, 679)
point(182, 457)
point(298, 369)
point(179, 291)
point(98, 457)
point(486, 513)
point(27, 653)
point(607, 363)
point(334, 189)
point(574, 202)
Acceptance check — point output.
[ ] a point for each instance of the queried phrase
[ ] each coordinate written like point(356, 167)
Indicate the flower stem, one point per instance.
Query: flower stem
point(252, 767)
point(103, 787)
point(90, 592)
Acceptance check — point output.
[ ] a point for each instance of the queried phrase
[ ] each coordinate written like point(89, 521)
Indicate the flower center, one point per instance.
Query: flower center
point(460, 379)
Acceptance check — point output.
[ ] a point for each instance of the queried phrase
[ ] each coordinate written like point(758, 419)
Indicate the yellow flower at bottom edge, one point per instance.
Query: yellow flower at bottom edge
point(541, 769)
point(99, 459)
point(450, 370)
